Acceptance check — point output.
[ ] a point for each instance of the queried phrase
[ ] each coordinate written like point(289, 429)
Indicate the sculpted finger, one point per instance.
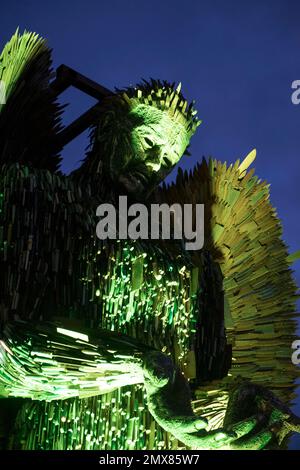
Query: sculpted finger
point(244, 427)
point(256, 442)
point(194, 425)
point(212, 440)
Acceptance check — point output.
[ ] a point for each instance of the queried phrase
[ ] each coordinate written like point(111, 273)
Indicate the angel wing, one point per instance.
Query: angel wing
point(29, 113)
point(244, 235)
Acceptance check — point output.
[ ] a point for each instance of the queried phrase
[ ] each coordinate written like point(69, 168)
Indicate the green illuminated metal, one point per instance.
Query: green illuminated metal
point(84, 318)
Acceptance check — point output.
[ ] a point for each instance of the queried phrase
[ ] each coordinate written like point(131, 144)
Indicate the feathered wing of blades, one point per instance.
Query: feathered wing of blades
point(244, 235)
point(29, 113)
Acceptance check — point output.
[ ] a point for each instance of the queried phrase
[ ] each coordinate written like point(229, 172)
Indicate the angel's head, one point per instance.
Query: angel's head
point(142, 134)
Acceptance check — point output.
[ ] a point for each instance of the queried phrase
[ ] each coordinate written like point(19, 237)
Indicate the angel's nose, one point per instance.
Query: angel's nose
point(167, 161)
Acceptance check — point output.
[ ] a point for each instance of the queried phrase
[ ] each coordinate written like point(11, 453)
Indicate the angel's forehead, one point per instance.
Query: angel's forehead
point(146, 114)
point(150, 120)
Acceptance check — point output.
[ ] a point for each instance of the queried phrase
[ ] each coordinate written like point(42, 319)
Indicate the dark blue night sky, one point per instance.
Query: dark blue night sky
point(237, 59)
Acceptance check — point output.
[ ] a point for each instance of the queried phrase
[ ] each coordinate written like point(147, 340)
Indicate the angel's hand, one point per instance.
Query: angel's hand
point(257, 417)
point(254, 418)
point(169, 401)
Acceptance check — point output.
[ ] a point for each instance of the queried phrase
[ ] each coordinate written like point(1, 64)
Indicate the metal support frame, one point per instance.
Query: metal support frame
point(65, 78)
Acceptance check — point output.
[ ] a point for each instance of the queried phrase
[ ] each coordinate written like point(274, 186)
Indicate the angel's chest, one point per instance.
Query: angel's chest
point(141, 291)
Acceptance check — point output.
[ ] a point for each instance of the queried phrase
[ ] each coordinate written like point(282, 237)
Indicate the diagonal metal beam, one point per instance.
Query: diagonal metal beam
point(65, 78)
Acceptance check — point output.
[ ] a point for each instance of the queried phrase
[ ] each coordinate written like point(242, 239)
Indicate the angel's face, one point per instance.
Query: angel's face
point(154, 144)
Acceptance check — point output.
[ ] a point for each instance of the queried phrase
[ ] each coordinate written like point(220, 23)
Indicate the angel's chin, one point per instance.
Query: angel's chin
point(135, 184)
